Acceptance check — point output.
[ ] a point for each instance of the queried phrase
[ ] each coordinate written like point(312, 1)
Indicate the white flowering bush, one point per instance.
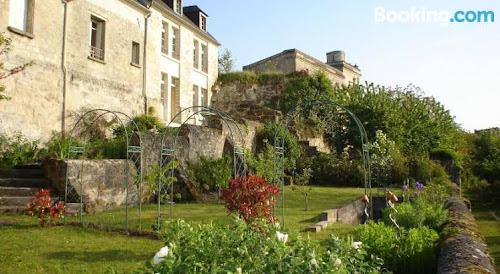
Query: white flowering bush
point(259, 247)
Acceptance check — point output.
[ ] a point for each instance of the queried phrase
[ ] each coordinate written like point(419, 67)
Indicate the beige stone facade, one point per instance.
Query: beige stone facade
point(336, 69)
point(95, 59)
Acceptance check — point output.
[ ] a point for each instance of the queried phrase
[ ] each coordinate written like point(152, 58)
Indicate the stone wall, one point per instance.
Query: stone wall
point(102, 184)
point(464, 249)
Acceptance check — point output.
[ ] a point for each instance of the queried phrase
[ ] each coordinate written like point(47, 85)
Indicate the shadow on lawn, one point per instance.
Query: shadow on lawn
point(98, 256)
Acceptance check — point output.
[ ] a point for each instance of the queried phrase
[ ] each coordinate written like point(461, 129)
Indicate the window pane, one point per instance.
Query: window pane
point(18, 14)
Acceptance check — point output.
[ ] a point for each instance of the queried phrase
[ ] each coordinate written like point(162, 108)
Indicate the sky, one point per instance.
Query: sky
point(457, 63)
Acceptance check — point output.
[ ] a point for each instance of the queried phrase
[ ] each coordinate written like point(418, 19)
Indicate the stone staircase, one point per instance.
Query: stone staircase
point(18, 186)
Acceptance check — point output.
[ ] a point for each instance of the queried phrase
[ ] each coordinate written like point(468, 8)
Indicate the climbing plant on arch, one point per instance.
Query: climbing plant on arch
point(279, 150)
point(78, 140)
point(169, 151)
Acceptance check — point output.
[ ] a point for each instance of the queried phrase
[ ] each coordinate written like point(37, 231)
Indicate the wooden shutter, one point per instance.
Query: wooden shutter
point(205, 97)
point(30, 20)
point(176, 99)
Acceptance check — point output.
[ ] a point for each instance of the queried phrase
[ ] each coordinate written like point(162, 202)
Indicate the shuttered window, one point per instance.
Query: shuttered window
point(176, 99)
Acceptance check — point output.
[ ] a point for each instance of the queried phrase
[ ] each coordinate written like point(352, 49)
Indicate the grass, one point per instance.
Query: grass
point(296, 218)
point(489, 226)
point(29, 248)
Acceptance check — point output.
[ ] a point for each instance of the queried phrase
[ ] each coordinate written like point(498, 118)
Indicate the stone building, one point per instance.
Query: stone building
point(122, 55)
point(336, 68)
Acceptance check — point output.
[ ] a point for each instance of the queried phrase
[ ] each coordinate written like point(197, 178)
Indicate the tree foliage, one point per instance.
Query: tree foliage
point(226, 62)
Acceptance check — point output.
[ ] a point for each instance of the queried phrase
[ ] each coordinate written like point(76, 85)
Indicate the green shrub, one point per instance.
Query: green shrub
point(243, 77)
point(257, 248)
point(328, 170)
point(416, 214)
point(306, 88)
point(270, 78)
point(57, 146)
point(17, 150)
point(107, 149)
point(144, 122)
point(211, 174)
point(262, 164)
point(402, 250)
point(292, 148)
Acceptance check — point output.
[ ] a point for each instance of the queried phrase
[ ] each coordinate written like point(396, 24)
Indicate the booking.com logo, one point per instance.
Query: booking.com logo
point(423, 15)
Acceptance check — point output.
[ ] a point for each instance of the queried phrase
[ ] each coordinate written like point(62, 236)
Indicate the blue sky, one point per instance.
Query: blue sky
point(459, 64)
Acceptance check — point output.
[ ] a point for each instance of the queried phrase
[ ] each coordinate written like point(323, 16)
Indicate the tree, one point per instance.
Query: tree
point(226, 62)
point(4, 73)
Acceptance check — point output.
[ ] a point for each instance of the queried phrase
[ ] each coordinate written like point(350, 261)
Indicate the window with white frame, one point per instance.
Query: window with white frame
point(164, 38)
point(97, 29)
point(196, 54)
point(204, 97)
point(204, 58)
point(164, 96)
point(196, 95)
point(203, 22)
point(21, 15)
point(178, 6)
point(175, 96)
point(176, 43)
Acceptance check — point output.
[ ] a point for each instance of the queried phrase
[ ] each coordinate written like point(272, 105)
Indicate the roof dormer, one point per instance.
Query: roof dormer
point(175, 5)
point(196, 15)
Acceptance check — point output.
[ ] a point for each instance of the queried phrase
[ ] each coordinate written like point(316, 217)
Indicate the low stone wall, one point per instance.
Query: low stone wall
point(349, 213)
point(464, 249)
point(102, 184)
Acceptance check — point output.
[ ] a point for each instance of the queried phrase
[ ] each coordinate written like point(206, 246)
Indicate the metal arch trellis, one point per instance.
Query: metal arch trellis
point(168, 150)
point(279, 153)
point(134, 154)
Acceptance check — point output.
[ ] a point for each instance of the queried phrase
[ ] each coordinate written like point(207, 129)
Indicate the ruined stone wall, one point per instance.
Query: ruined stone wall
point(102, 184)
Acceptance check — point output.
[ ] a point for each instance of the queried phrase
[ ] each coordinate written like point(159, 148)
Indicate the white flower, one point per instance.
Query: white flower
point(338, 262)
point(159, 256)
point(282, 236)
point(238, 270)
point(314, 262)
point(356, 245)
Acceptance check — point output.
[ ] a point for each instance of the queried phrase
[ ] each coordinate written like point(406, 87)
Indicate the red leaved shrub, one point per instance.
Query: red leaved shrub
point(251, 197)
point(44, 208)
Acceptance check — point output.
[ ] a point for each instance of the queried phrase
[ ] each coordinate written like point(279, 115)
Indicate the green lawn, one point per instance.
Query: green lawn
point(28, 248)
point(296, 218)
point(489, 227)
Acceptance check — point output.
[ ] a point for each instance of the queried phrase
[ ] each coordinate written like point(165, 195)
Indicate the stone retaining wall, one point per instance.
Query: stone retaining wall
point(464, 249)
point(102, 184)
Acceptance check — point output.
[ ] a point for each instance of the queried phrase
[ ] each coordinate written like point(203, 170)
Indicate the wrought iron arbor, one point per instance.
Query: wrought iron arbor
point(279, 152)
point(169, 148)
point(76, 150)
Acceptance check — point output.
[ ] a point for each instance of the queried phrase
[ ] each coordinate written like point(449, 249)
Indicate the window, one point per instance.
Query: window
point(196, 53)
point(21, 15)
point(204, 58)
point(196, 101)
point(135, 53)
point(203, 22)
point(164, 38)
point(178, 6)
point(204, 97)
point(96, 38)
point(176, 43)
point(164, 95)
point(175, 99)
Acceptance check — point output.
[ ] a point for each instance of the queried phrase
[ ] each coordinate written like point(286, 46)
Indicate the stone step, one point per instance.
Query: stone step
point(21, 173)
point(24, 182)
point(6, 191)
point(11, 210)
point(15, 201)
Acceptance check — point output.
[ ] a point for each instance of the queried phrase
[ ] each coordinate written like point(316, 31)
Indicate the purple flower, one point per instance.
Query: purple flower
point(415, 194)
point(419, 186)
point(405, 188)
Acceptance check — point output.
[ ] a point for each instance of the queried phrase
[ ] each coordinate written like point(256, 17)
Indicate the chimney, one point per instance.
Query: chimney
point(335, 57)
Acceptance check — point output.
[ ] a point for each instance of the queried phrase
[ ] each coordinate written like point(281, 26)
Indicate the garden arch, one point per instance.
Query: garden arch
point(77, 150)
point(279, 152)
point(169, 148)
